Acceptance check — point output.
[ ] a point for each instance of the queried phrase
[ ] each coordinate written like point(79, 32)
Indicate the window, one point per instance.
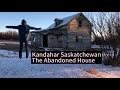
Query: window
point(34, 39)
point(80, 23)
point(79, 39)
point(59, 37)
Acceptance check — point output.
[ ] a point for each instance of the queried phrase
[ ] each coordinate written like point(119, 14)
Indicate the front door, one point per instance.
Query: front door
point(45, 40)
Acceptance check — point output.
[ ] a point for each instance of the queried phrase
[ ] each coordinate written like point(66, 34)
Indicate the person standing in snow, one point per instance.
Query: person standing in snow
point(23, 32)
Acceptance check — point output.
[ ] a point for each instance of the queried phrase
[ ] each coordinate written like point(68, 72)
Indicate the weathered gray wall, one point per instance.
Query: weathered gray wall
point(68, 38)
point(56, 39)
point(38, 41)
point(83, 32)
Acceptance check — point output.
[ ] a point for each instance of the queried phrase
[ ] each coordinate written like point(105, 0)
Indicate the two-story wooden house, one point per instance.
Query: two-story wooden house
point(72, 32)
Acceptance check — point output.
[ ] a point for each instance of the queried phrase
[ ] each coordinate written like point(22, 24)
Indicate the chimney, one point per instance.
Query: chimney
point(58, 22)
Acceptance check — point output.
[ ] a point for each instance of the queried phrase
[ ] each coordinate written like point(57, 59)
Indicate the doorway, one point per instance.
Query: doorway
point(45, 40)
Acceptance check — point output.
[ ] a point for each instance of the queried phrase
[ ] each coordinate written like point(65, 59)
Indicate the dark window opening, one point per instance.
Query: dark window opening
point(76, 39)
point(45, 41)
point(80, 24)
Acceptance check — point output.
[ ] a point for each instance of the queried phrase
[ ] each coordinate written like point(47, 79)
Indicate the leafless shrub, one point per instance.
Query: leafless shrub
point(9, 35)
point(106, 29)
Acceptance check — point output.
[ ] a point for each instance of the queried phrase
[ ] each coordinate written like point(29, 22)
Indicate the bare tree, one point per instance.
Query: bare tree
point(107, 26)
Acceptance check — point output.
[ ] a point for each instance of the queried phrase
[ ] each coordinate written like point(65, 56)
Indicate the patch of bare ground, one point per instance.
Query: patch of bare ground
point(93, 71)
point(11, 47)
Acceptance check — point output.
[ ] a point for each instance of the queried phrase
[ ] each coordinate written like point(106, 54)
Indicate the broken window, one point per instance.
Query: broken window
point(79, 39)
point(59, 37)
point(34, 39)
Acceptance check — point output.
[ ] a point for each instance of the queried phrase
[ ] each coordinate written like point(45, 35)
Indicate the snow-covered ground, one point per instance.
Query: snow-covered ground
point(95, 46)
point(13, 67)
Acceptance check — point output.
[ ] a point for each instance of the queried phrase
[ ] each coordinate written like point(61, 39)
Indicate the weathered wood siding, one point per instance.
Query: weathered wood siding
point(65, 36)
point(83, 33)
point(57, 38)
point(38, 41)
point(54, 41)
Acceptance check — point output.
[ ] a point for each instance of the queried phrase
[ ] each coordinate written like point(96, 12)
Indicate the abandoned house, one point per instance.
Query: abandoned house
point(72, 32)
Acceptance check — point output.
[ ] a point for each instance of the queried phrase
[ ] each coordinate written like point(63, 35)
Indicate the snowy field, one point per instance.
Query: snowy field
point(13, 67)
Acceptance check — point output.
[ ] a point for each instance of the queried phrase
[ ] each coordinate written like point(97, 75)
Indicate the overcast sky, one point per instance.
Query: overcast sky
point(36, 19)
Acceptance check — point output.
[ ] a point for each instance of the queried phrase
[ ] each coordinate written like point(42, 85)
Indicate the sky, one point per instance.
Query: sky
point(35, 19)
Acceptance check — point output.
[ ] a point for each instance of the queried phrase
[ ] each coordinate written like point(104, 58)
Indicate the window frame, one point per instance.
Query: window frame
point(34, 39)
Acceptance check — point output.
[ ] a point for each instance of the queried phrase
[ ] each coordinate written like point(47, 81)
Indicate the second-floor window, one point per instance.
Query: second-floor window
point(80, 23)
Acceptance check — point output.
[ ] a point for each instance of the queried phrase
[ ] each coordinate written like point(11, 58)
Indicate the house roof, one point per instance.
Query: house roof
point(65, 21)
point(38, 30)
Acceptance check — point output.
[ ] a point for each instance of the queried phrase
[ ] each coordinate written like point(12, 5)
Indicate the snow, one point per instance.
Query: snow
point(66, 20)
point(13, 67)
point(38, 30)
point(95, 46)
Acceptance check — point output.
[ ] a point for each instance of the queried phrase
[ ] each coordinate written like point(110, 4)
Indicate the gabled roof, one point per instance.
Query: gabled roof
point(65, 20)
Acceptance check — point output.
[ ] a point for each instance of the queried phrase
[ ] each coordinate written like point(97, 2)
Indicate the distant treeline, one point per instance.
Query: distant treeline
point(9, 35)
